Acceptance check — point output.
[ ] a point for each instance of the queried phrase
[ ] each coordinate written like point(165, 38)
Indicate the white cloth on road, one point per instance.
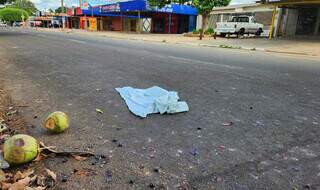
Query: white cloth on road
point(142, 102)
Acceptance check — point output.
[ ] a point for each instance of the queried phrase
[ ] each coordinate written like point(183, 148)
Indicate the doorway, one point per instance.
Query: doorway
point(158, 25)
point(307, 19)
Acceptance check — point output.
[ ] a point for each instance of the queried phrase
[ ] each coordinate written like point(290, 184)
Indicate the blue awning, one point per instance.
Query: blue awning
point(138, 5)
point(96, 12)
point(176, 9)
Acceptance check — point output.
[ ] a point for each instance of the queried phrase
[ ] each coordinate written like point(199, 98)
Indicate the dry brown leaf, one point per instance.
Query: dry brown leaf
point(51, 174)
point(19, 175)
point(79, 158)
point(39, 188)
point(20, 185)
point(36, 188)
point(2, 176)
point(41, 180)
point(85, 172)
point(5, 186)
point(40, 157)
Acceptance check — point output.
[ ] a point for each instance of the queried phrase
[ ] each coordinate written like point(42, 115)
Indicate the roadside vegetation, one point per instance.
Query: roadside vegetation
point(11, 15)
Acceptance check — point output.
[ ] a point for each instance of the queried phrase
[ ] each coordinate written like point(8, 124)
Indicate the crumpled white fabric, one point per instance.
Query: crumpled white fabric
point(142, 102)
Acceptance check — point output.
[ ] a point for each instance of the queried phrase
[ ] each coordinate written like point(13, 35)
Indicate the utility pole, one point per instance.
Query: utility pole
point(62, 11)
point(62, 7)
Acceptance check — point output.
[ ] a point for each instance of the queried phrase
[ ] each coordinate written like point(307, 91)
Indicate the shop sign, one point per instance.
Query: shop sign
point(110, 8)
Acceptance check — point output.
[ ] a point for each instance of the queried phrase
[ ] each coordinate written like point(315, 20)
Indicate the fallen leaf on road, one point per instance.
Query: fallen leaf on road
point(19, 185)
point(36, 188)
point(79, 158)
point(21, 175)
point(99, 111)
point(2, 176)
point(51, 174)
point(85, 172)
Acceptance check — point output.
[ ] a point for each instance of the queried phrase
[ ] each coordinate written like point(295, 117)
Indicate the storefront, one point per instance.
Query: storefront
point(296, 18)
point(138, 16)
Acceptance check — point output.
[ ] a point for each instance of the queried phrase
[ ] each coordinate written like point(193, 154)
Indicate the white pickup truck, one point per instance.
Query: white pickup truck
point(239, 25)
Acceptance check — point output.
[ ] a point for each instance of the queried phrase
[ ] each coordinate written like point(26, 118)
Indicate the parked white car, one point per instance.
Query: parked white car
point(239, 25)
point(3, 24)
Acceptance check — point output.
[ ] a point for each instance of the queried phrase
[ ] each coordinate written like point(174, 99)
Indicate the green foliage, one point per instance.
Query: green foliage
point(59, 10)
point(26, 5)
point(209, 31)
point(195, 31)
point(162, 3)
point(203, 6)
point(4, 2)
point(11, 15)
point(229, 46)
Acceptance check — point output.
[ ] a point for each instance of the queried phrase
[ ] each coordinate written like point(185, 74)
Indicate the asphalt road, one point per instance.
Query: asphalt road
point(272, 101)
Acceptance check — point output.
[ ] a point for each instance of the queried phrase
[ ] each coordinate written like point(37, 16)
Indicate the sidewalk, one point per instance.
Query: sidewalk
point(308, 47)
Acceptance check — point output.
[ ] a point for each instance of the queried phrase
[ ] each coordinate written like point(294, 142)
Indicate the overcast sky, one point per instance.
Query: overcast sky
point(46, 4)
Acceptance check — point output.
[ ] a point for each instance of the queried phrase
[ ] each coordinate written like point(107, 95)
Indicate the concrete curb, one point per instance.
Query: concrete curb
point(184, 43)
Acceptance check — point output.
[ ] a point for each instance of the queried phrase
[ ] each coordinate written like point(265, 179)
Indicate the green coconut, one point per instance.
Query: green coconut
point(20, 149)
point(57, 122)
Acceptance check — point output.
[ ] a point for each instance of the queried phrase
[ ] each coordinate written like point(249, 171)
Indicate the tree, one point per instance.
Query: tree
point(4, 2)
point(11, 15)
point(59, 10)
point(204, 7)
point(50, 10)
point(26, 5)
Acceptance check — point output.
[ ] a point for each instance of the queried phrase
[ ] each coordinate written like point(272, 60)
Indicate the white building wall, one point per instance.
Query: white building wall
point(291, 24)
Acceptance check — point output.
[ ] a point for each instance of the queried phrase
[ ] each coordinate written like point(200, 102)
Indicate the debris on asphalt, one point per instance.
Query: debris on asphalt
point(10, 113)
point(222, 147)
point(99, 111)
point(227, 124)
point(57, 122)
point(64, 178)
point(51, 174)
point(28, 180)
point(179, 152)
point(142, 102)
point(108, 176)
point(156, 170)
point(79, 158)
point(21, 180)
point(20, 149)
point(100, 159)
point(46, 150)
point(84, 172)
point(194, 152)
point(152, 186)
